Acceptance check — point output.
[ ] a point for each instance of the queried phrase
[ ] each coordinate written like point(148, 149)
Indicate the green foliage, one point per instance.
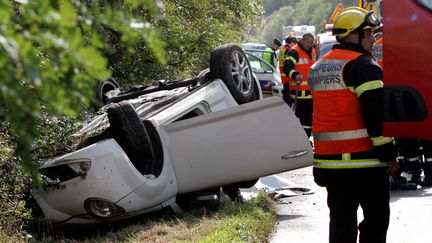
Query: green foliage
point(294, 12)
point(51, 54)
point(54, 136)
point(271, 6)
point(190, 29)
point(251, 222)
point(13, 213)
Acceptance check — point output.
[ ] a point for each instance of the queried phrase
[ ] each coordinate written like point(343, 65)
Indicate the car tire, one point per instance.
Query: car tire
point(101, 89)
point(129, 132)
point(229, 63)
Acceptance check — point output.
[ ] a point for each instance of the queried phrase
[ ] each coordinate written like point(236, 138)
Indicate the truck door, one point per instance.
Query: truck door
point(408, 74)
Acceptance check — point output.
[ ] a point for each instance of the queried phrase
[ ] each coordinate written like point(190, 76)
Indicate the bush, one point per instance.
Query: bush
point(53, 138)
point(13, 181)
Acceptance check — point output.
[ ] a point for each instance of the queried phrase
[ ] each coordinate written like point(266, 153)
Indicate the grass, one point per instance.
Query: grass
point(252, 221)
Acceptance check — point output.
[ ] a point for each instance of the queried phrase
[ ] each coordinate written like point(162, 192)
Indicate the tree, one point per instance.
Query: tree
point(51, 55)
point(191, 29)
point(294, 12)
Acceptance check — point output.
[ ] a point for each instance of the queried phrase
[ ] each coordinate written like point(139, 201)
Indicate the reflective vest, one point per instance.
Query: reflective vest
point(268, 56)
point(377, 52)
point(302, 66)
point(281, 58)
point(338, 126)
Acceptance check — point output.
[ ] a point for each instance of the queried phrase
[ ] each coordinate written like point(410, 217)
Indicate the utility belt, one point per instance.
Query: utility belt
point(302, 94)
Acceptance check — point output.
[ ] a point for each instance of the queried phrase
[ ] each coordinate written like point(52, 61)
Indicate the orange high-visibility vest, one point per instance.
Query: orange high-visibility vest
point(282, 52)
point(377, 52)
point(302, 66)
point(337, 125)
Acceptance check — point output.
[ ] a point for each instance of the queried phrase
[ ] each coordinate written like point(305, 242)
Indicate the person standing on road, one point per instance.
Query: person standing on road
point(290, 41)
point(352, 158)
point(270, 55)
point(297, 63)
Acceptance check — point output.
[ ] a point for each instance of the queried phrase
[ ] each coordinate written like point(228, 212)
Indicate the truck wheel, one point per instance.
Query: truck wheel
point(229, 63)
point(129, 132)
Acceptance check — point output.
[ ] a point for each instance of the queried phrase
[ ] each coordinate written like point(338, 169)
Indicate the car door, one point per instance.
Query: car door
point(407, 73)
point(236, 144)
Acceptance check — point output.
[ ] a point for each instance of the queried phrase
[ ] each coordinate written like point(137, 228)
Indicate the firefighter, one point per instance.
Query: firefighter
point(377, 52)
point(290, 41)
point(297, 63)
point(270, 54)
point(352, 158)
point(415, 154)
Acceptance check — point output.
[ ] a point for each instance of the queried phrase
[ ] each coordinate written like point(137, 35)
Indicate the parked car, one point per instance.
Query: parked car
point(268, 76)
point(151, 145)
point(326, 42)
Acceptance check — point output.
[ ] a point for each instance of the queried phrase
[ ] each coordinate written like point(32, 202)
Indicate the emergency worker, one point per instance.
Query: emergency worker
point(415, 154)
point(377, 52)
point(290, 41)
point(270, 54)
point(297, 63)
point(352, 158)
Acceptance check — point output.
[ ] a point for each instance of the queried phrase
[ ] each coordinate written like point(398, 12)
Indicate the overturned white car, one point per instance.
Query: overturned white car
point(153, 144)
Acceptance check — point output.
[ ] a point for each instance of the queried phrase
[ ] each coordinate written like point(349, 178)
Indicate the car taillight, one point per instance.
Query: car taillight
point(102, 208)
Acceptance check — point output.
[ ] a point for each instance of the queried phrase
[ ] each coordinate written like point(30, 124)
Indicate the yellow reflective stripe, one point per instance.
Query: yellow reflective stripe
point(348, 164)
point(377, 141)
point(346, 156)
point(303, 61)
point(343, 135)
point(351, 88)
point(375, 84)
point(301, 95)
point(291, 73)
point(292, 59)
point(302, 83)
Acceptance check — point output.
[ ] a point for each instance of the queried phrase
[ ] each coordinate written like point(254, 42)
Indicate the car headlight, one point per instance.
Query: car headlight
point(102, 208)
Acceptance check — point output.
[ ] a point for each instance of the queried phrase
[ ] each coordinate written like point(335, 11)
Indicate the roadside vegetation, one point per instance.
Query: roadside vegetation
point(252, 221)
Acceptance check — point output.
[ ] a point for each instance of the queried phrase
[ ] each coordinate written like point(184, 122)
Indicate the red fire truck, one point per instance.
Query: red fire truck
point(407, 28)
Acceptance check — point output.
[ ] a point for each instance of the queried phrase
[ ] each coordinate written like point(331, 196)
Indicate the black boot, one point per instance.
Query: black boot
point(415, 167)
point(427, 180)
point(400, 182)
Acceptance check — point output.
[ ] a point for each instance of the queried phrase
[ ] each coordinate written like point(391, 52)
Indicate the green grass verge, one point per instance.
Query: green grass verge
point(252, 221)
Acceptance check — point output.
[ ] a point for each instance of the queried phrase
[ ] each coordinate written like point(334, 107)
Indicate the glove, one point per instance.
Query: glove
point(299, 79)
point(393, 168)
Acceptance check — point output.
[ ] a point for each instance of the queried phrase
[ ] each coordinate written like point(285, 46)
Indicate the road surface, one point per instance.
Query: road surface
point(305, 218)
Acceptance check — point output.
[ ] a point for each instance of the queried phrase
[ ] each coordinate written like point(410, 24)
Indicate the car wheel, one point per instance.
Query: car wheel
point(101, 90)
point(229, 63)
point(129, 132)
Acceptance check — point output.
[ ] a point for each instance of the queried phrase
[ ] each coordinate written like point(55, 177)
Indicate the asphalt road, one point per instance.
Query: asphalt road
point(304, 218)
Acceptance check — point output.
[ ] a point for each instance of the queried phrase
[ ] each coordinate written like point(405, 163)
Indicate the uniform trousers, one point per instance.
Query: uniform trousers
point(372, 194)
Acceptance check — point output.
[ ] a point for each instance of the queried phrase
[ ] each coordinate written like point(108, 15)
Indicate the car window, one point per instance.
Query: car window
point(257, 63)
point(426, 3)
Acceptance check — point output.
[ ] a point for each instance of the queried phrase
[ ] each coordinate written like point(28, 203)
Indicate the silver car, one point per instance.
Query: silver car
point(151, 145)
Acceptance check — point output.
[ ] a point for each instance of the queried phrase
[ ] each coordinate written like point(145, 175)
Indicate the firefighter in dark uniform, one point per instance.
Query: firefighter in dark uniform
point(298, 61)
point(352, 158)
point(290, 41)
